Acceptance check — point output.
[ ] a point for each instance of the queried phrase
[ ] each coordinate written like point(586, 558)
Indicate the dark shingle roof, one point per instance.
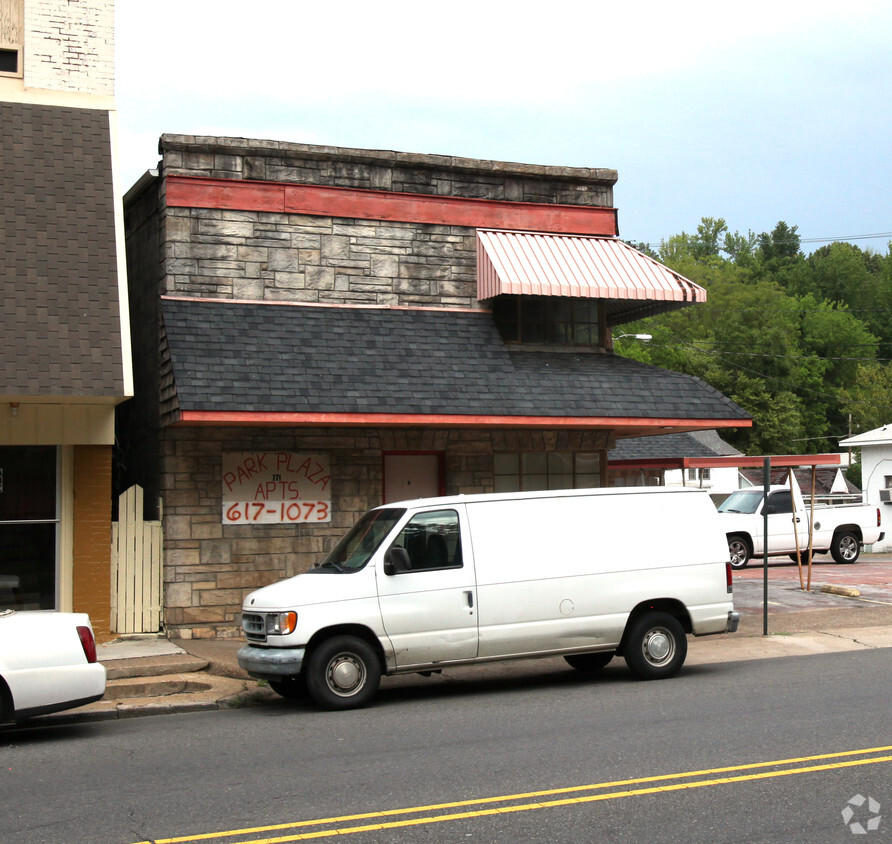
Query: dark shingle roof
point(61, 330)
point(666, 446)
point(232, 356)
point(824, 478)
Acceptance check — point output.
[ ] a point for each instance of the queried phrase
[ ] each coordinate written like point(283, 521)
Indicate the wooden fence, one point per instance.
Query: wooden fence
point(137, 583)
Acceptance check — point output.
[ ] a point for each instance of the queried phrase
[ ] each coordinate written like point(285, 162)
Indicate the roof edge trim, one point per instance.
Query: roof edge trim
point(269, 418)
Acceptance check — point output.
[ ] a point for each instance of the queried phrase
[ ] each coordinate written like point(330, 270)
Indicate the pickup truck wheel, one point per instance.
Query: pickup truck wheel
point(845, 547)
point(655, 646)
point(739, 549)
point(343, 673)
point(291, 688)
point(590, 663)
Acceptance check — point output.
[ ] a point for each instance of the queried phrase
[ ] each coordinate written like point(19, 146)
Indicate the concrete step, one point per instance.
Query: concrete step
point(153, 666)
point(160, 686)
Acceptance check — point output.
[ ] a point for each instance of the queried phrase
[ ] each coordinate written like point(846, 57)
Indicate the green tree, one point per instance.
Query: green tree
point(778, 348)
point(869, 398)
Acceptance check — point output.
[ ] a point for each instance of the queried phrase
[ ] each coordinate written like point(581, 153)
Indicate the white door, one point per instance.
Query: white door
point(430, 610)
point(783, 523)
point(409, 476)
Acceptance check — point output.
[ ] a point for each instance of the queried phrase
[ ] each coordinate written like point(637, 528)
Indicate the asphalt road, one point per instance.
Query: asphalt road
point(763, 751)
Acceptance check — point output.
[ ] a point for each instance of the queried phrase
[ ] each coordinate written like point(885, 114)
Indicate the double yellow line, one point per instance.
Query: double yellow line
point(395, 818)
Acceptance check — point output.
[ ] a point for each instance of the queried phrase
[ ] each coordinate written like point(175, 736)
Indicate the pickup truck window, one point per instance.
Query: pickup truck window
point(363, 539)
point(742, 501)
point(780, 502)
point(432, 541)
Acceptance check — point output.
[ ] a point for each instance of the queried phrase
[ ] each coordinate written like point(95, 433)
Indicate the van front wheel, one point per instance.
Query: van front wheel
point(655, 646)
point(343, 673)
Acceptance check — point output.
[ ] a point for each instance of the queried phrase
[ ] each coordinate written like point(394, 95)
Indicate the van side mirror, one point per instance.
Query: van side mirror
point(396, 560)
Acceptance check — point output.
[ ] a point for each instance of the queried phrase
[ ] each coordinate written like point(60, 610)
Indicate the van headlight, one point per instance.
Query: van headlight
point(280, 623)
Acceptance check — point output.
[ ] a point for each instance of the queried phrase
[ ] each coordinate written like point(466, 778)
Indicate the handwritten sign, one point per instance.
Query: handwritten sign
point(275, 487)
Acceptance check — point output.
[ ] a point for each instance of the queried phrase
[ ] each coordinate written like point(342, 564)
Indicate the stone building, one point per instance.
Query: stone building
point(64, 335)
point(320, 330)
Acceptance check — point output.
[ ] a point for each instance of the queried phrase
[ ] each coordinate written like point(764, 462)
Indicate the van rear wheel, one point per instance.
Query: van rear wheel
point(655, 646)
point(343, 673)
point(590, 663)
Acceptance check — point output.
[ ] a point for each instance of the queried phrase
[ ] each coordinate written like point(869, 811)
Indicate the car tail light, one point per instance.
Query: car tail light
point(879, 518)
point(728, 580)
point(88, 643)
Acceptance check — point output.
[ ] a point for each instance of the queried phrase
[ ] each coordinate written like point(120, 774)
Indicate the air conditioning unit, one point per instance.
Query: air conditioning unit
point(886, 496)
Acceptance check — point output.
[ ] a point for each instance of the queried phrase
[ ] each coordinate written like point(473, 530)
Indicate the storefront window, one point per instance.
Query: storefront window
point(546, 470)
point(28, 527)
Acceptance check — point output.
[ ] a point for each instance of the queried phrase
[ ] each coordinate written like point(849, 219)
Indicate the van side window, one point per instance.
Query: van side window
point(432, 540)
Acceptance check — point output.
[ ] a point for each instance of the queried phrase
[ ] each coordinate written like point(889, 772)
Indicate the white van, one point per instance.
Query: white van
point(420, 585)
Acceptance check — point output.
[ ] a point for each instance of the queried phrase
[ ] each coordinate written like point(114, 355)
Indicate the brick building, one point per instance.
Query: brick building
point(64, 337)
point(320, 330)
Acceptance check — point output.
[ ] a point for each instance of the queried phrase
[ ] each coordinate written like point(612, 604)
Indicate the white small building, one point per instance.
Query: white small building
point(876, 473)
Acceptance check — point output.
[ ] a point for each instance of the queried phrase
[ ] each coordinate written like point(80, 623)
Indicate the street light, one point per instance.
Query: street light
point(643, 337)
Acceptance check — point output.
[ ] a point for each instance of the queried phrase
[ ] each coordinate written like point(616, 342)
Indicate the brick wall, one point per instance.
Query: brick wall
point(92, 536)
point(69, 46)
point(210, 567)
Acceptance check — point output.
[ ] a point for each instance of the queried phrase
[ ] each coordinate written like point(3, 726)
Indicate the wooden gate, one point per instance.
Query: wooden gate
point(136, 568)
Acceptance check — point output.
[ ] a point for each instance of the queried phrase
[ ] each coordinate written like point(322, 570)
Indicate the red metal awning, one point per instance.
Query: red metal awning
point(534, 264)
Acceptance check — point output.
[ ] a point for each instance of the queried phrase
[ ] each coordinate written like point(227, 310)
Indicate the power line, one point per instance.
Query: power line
point(787, 241)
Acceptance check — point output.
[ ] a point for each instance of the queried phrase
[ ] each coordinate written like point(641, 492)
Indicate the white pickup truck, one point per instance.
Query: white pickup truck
point(840, 529)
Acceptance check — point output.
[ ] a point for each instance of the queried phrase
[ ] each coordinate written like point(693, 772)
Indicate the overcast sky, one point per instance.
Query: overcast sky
point(755, 112)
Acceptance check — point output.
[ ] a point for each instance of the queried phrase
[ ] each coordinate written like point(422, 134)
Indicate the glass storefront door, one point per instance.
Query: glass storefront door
point(29, 527)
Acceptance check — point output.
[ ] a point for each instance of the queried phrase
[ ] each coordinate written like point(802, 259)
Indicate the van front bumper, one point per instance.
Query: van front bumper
point(270, 663)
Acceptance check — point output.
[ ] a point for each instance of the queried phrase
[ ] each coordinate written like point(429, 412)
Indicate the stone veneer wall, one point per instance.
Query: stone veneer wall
point(303, 258)
point(296, 258)
point(210, 567)
point(256, 255)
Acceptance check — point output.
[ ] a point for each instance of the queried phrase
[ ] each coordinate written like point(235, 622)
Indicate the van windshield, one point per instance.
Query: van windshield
point(742, 501)
point(358, 545)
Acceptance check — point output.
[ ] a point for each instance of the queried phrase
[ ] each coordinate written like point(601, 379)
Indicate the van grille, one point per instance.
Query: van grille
point(254, 625)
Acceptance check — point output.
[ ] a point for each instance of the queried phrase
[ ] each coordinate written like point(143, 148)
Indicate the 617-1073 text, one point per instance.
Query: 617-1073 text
point(276, 512)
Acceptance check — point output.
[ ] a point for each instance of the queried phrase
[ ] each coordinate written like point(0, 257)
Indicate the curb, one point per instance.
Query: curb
point(847, 591)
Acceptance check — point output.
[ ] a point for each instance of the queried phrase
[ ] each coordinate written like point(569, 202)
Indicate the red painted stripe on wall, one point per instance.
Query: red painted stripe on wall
point(239, 417)
point(316, 200)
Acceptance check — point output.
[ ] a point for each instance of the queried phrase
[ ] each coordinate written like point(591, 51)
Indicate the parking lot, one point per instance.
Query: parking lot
point(871, 576)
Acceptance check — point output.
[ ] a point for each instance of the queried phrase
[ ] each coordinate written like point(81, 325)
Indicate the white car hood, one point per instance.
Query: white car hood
point(306, 589)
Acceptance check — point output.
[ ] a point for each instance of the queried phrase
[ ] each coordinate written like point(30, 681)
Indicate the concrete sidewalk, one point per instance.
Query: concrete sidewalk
point(155, 676)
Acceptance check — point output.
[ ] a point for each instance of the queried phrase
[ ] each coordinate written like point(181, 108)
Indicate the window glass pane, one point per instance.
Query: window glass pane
point(506, 464)
point(560, 462)
point(507, 483)
point(587, 481)
point(432, 540)
point(534, 463)
point(587, 463)
point(28, 566)
point(559, 481)
point(534, 482)
point(27, 483)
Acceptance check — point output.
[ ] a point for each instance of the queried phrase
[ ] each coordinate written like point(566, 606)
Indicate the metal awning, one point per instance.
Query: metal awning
point(632, 284)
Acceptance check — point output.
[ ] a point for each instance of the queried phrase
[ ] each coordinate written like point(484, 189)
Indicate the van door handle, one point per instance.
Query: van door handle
point(470, 596)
